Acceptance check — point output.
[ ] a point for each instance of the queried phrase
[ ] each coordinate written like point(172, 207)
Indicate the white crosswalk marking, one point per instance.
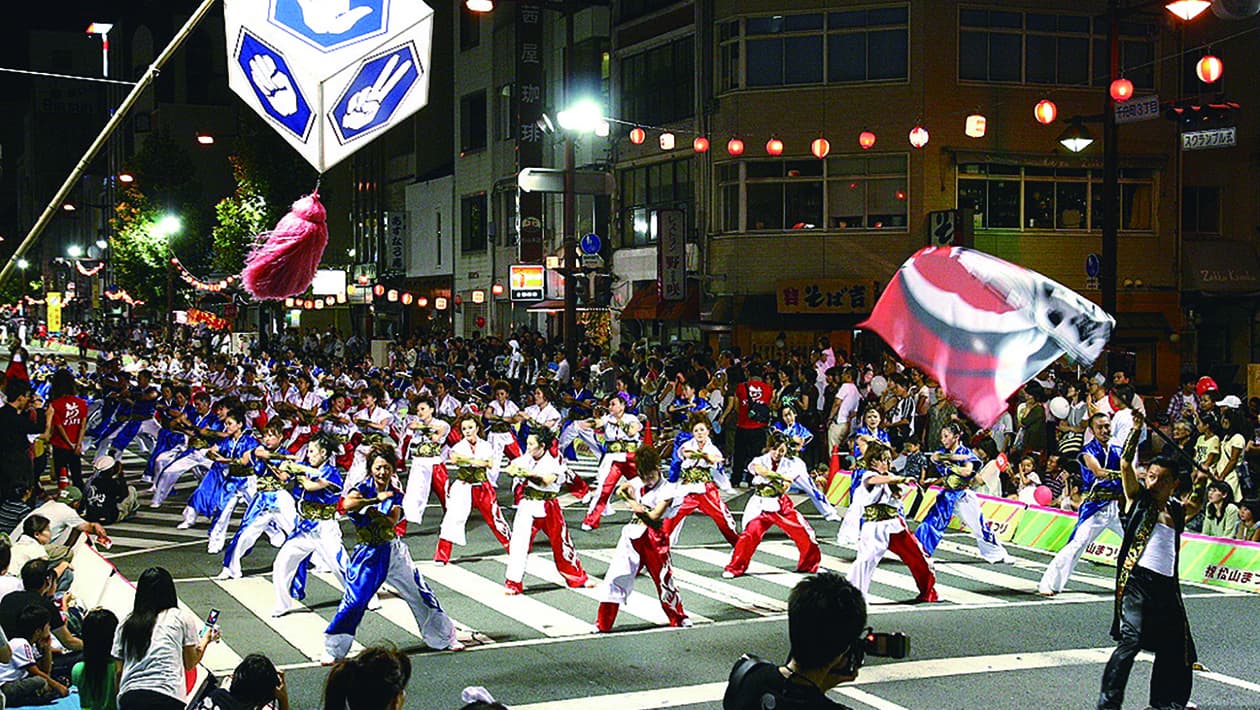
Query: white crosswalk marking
point(760, 570)
point(526, 610)
point(712, 587)
point(303, 630)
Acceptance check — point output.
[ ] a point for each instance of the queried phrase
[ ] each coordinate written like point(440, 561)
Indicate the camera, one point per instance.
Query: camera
point(872, 643)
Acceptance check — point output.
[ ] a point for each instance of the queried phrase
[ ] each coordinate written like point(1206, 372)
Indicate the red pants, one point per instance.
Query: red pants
point(485, 501)
point(562, 549)
point(653, 550)
point(618, 471)
point(440, 480)
point(710, 503)
point(791, 521)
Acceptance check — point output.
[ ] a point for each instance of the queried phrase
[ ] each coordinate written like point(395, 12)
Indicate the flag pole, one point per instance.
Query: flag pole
point(101, 139)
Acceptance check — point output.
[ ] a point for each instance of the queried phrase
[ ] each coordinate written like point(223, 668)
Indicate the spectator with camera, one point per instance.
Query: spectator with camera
point(828, 636)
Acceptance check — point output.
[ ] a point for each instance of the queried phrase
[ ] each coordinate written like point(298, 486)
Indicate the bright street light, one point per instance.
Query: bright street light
point(69, 207)
point(169, 226)
point(205, 139)
point(1076, 138)
point(584, 116)
point(1188, 9)
point(74, 251)
point(102, 244)
point(479, 5)
point(126, 178)
point(23, 264)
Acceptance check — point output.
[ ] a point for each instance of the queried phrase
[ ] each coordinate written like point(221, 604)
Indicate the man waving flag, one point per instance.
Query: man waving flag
point(982, 327)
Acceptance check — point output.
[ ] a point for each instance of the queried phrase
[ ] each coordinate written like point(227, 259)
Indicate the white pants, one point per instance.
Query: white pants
point(1060, 569)
point(573, 432)
point(419, 481)
point(872, 545)
point(968, 511)
point(601, 476)
point(498, 440)
point(324, 542)
point(146, 437)
point(277, 524)
point(851, 524)
point(168, 474)
point(436, 628)
point(623, 567)
point(219, 526)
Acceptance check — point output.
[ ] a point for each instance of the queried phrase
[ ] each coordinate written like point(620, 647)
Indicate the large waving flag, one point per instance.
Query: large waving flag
point(982, 327)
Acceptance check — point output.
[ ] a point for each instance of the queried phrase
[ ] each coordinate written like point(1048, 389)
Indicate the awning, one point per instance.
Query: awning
point(761, 311)
point(1220, 266)
point(646, 304)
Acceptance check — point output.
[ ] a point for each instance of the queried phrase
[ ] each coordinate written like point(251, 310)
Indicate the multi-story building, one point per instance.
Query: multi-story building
point(786, 247)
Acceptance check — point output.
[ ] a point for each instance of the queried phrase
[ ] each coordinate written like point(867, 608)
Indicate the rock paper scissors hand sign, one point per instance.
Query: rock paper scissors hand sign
point(331, 17)
point(366, 102)
point(274, 84)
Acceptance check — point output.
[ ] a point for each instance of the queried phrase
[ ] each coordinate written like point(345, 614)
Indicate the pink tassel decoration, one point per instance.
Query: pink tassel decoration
point(284, 265)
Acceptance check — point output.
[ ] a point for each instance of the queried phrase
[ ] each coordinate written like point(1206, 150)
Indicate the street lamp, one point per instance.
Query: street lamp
point(74, 251)
point(167, 227)
point(102, 244)
point(23, 264)
point(1188, 9)
point(102, 29)
point(1076, 137)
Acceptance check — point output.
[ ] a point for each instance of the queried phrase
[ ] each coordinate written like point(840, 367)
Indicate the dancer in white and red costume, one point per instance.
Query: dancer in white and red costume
point(538, 510)
point(884, 526)
point(468, 464)
point(622, 432)
point(772, 474)
point(643, 543)
point(699, 457)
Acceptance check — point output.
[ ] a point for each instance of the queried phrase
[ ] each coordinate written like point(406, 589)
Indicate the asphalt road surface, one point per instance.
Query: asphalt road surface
point(991, 643)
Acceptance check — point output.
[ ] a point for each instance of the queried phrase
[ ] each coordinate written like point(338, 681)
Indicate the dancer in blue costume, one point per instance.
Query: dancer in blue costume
point(272, 511)
point(375, 508)
point(957, 467)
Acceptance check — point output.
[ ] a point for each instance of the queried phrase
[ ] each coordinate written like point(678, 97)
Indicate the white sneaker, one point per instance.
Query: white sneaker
point(590, 495)
point(214, 550)
point(687, 623)
point(226, 574)
point(326, 659)
point(184, 525)
point(586, 527)
point(155, 506)
point(727, 574)
point(456, 645)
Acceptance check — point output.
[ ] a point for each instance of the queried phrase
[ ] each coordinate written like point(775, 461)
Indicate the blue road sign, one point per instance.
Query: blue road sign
point(591, 244)
point(1093, 266)
point(329, 25)
point(380, 86)
point(272, 80)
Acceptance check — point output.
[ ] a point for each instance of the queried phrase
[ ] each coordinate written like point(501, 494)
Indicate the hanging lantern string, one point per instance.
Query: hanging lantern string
point(199, 284)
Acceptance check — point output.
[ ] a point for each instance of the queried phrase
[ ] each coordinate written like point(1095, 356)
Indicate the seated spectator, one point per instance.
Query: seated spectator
point(39, 582)
point(30, 544)
point(992, 467)
point(1220, 515)
point(390, 670)
point(156, 643)
point(19, 503)
point(1056, 478)
point(64, 520)
point(25, 680)
point(256, 684)
point(107, 497)
point(1248, 514)
point(96, 676)
point(8, 582)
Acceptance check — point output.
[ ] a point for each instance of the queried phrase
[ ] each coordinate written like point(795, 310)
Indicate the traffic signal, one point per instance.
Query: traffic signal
point(1198, 114)
point(602, 287)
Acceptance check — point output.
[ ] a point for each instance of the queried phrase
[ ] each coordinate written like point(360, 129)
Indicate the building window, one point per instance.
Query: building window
point(1035, 198)
point(1201, 210)
point(835, 47)
point(505, 217)
point(1054, 49)
point(633, 9)
point(472, 122)
point(658, 85)
point(666, 185)
point(469, 28)
point(472, 210)
point(842, 192)
point(504, 114)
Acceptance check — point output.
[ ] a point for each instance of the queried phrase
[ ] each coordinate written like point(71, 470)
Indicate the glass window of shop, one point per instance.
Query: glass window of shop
point(658, 85)
point(1050, 49)
point(472, 212)
point(664, 185)
point(1036, 198)
point(834, 47)
point(843, 192)
point(1201, 210)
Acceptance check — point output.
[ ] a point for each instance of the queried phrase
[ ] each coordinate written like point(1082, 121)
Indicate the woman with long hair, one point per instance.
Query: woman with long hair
point(156, 643)
point(390, 671)
point(96, 675)
point(1220, 515)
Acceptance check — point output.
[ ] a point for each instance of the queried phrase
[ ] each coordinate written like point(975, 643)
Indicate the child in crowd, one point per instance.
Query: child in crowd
point(25, 679)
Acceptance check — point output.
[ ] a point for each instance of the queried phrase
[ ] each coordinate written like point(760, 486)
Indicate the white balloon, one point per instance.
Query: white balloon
point(1059, 408)
point(878, 385)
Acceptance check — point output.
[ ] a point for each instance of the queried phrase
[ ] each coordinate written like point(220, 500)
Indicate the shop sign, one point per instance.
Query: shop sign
point(826, 296)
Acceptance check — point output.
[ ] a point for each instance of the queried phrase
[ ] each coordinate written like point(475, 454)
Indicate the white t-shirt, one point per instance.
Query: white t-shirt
point(9, 583)
point(161, 670)
point(24, 655)
point(62, 520)
point(850, 399)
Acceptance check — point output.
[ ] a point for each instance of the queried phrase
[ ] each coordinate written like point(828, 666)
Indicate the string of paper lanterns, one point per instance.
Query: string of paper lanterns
point(187, 277)
point(385, 293)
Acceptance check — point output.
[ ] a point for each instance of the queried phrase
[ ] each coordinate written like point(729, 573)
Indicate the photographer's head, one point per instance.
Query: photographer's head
point(826, 618)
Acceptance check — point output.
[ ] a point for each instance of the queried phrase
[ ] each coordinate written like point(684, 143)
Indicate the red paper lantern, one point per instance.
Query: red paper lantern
point(637, 135)
point(735, 146)
point(497, 289)
point(1121, 90)
point(919, 136)
point(700, 144)
point(330, 301)
point(667, 141)
point(407, 298)
point(392, 297)
point(866, 139)
point(820, 148)
point(481, 321)
point(774, 146)
point(378, 290)
point(1046, 112)
point(1209, 69)
point(308, 304)
point(459, 300)
point(423, 302)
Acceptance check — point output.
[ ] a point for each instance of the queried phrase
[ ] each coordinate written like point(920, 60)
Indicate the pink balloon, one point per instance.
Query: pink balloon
point(1043, 495)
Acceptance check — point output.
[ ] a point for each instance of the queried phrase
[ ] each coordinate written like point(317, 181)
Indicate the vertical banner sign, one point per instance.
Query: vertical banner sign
point(54, 311)
point(529, 94)
point(396, 238)
point(671, 242)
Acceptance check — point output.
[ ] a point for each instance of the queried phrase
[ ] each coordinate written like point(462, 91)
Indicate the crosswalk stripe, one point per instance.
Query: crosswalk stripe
point(394, 609)
point(525, 610)
point(715, 589)
point(302, 630)
point(882, 576)
point(134, 528)
point(134, 543)
point(1107, 583)
point(760, 570)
